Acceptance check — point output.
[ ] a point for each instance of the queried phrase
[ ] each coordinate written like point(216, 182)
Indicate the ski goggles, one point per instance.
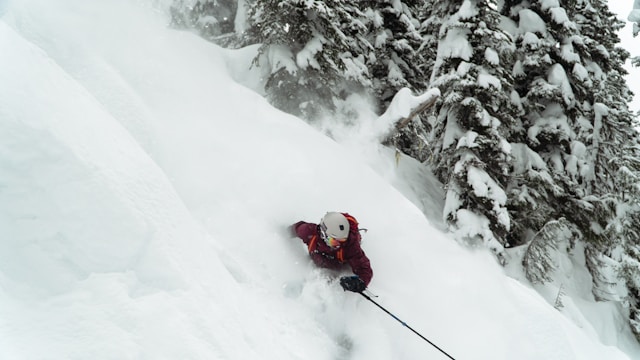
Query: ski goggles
point(333, 242)
point(330, 240)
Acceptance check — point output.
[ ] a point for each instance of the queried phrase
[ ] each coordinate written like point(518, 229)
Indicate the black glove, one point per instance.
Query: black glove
point(352, 283)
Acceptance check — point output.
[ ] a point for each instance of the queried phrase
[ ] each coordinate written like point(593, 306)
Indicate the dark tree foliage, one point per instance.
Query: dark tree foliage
point(308, 46)
point(539, 259)
point(471, 152)
point(558, 68)
point(570, 79)
point(211, 18)
point(334, 48)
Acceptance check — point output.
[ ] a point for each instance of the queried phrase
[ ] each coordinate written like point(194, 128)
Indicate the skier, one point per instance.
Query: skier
point(336, 242)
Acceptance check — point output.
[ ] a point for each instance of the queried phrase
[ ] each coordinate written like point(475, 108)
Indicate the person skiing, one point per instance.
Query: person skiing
point(336, 242)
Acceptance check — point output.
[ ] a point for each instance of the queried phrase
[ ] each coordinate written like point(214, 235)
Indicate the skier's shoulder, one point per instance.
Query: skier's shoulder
point(305, 229)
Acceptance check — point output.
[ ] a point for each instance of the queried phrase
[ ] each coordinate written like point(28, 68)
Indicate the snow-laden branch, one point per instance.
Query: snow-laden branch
point(405, 106)
point(634, 17)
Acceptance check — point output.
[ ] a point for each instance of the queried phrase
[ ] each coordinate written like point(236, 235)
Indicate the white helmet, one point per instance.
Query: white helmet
point(335, 225)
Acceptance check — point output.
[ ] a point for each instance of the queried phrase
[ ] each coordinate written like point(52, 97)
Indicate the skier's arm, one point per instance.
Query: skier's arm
point(361, 266)
point(304, 230)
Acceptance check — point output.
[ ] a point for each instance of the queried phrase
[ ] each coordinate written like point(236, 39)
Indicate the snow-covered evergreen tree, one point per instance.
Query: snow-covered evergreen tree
point(559, 64)
point(614, 147)
point(539, 259)
point(310, 50)
point(570, 79)
point(322, 51)
point(393, 31)
point(634, 16)
point(624, 229)
point(476, 112)
point(546, 189)
point(211, 18)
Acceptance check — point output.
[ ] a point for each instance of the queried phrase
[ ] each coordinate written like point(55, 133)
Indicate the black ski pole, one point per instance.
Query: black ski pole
point(405, 324)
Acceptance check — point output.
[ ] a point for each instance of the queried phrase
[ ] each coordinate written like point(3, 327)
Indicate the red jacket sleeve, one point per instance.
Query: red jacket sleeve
point(305, 230)
point(359, 262)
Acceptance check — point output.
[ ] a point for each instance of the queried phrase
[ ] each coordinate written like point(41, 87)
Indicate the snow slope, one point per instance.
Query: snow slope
point(144, 196)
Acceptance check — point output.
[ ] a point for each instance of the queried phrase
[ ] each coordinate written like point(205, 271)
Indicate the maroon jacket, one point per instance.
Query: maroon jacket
point(324, 256)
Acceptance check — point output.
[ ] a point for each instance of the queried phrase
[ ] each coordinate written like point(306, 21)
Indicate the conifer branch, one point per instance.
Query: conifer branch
point(419, 109)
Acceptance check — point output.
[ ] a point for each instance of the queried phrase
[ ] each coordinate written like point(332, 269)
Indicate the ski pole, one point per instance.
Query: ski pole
point(405, 324)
